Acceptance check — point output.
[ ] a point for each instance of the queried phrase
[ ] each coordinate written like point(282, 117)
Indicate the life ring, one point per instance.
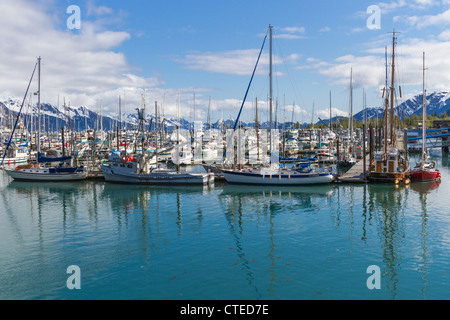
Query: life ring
point(125, 159)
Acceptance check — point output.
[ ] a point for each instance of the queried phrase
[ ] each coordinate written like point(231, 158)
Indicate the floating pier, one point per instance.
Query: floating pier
point(356, 173)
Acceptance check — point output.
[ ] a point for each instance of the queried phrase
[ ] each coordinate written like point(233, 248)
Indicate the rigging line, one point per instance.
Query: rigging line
point(18, 115)
point(251, 80)
point(246, 93)
point(293, 83)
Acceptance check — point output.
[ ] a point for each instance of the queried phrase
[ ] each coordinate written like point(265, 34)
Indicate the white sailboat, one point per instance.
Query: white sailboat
point(39, 172)
point(302, 174)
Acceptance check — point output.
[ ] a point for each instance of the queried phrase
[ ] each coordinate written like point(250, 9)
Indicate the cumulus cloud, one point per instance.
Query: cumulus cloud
point(234, 62)
point(80, 65)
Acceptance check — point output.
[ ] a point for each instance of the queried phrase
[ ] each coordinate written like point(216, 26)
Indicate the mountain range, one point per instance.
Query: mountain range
point(82, 118)
point(438, 103)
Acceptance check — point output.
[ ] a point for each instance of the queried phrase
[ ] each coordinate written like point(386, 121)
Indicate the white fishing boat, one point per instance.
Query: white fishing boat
point(325, 155)
point(182, 155)
point(138, 171)
point(16, 155)
point(291, 146)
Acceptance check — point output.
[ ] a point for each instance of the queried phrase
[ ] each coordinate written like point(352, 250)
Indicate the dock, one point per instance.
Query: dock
point(356, 173)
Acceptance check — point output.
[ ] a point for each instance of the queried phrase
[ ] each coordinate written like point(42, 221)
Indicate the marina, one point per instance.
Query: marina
point(184, 158)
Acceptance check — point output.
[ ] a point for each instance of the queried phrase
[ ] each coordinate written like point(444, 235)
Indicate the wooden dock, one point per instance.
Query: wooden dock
point(356, 173)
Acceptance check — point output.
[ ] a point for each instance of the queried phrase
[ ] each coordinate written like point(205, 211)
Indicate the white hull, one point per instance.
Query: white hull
point(15, 160)
point(277, 178)
point(39, 176)
point(157, 178)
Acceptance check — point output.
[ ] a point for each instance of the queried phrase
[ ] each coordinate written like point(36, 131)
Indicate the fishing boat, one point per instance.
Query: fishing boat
point(38, 171)
point(273, 174)
point(16, 155)
point(325, 155)
point(425, 170)
point(137, 170)
point(390, 164)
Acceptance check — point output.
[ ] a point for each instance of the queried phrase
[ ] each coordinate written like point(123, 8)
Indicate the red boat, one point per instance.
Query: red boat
point(425, 172)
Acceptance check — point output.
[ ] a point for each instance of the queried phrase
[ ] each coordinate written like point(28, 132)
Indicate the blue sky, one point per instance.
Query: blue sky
point(170, 50)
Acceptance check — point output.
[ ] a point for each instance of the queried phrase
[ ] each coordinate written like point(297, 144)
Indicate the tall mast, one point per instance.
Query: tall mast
point(270, 75)
point(351, 108)
point(271, 96)
point(392, 90)
point(156, 131)
point(330, 111)
point(386, 104)
point(424, 116)
point(39, 107)
point(209, 113)
point(257, 129)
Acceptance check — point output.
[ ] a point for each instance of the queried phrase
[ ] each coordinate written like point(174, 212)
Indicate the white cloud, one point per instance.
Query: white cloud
point(388, 7)
point(444, 35)
point(294, 29)
point(234, 62)
point(431, 20)
point(80, 65)
point(369, 70)
point(335, 112)
point(290, 33)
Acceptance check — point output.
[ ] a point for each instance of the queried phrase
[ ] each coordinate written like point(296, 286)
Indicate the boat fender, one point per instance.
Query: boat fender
point(125, 159)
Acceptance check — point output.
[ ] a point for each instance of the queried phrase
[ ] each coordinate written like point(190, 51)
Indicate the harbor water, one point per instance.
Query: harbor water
point(224, 241)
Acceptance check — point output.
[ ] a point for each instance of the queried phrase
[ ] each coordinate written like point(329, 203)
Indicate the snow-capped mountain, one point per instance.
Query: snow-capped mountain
point(438, 103)
point(76, 118)
point(80, 118)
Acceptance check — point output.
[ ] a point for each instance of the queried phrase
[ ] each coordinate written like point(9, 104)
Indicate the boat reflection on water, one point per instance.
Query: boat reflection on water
point(234, 189)
point(425, 187)
point(24, 187)
point(272, 199)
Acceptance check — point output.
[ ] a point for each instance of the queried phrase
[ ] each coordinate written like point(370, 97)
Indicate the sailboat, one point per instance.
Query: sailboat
point(425, 170)
point(390, 164)
point(301, 174)
point(64, 171)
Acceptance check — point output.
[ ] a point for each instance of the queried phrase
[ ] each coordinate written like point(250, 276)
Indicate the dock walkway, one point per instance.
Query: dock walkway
point(356, 173)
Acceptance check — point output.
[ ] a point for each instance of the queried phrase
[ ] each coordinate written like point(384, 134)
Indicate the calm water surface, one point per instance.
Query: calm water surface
point(224, 242)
